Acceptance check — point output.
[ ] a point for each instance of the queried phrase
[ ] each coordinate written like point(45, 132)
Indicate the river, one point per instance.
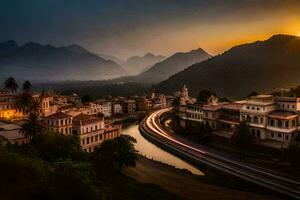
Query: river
point(151, 151)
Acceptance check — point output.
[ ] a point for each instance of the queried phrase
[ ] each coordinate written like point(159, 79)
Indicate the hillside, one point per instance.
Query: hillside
point(173, 64)
point(45, 62)
point(137, 64)
point(259, 66)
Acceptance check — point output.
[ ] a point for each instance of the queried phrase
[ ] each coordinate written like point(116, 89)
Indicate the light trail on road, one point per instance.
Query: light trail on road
point(151, 125)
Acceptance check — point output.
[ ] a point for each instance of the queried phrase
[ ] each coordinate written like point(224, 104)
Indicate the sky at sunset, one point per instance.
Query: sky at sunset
point(135, 27)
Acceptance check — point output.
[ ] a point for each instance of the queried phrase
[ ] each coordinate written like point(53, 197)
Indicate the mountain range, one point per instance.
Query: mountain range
point(259, 66)
point(137, 64)
point(173, 64)
point(45, 62)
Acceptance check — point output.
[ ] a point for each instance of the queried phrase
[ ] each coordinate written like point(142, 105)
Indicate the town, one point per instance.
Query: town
point(93, 121)
point(273, 121)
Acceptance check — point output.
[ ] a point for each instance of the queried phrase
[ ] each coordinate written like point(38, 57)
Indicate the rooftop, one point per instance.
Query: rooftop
point(11, 134)
point(85, 119)
point(287, 99)
point(282, 115)
point(233, 106)
point(59, 115)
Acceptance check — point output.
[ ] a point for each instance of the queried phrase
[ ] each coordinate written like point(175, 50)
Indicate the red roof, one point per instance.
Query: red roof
point(59, 115)
point(86, 119)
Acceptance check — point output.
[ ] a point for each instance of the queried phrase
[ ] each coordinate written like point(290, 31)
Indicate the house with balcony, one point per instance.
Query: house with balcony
point(255, 111)
point(282, 126)
point(59, 122)
point(90, 130)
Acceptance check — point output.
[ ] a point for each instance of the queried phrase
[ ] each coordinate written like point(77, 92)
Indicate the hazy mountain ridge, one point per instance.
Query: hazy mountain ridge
point(36, 61)
point(137, 64)
point(257, 66)
point(173, 64)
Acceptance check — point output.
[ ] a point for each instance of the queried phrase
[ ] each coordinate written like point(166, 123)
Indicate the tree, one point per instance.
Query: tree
point(115, 154)
point(56, 146)
point(26, 87)
point(11, 84)
point(25, 103)
point(204, 95)
point(31, 128)
point(86, 99)
point(242, 137)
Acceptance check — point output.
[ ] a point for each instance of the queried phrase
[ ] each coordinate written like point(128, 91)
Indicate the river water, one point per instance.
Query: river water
point(149, 150)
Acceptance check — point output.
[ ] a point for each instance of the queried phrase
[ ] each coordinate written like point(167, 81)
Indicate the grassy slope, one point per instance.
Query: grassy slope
point(189, 186)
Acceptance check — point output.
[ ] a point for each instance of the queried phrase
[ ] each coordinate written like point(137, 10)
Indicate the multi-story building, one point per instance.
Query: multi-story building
point(270, 119)
point(117, 108)
point(106, 107)
point(8, 109)
point(59, 122)
point(75, 99)
point(48, 107)
point(90, 130)
point(142, 104)
point(129, 106)
point(112, 130)
point(229, 117)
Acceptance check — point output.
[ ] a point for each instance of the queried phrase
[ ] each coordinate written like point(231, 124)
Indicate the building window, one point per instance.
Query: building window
point(83, 141)
point(257, 108)
point(279, 123)
point(279, 135)
point(61, 122)
point(96, 127)
point(92, 139)
point(286, 124)
point(286, 137)
point(261, 120)
point(253, 132)
point(258, 133)
point(272, 122)
point(87, 140)
point(248, 107)
point(272, 135)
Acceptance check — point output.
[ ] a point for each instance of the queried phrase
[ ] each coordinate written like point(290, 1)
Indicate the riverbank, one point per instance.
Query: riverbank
point(189, 186)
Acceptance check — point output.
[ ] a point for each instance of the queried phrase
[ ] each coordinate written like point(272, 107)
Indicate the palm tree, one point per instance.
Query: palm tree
point(26, 87)
point(11, 84)
point(31, 128)
point(35, 107)
point(25, 103)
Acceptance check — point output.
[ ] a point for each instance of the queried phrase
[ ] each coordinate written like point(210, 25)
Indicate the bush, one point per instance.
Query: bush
point(56, 146)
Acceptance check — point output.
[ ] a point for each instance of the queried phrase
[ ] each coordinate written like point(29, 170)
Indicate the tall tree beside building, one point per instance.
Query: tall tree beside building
point(242, 136)
point(27, 87)
point(115, 154)
point(31, 128)
point(25, 103)
point(204, 95)
point(11, 84)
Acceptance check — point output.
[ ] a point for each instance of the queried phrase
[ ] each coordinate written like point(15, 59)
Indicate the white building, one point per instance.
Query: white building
point(90, 130)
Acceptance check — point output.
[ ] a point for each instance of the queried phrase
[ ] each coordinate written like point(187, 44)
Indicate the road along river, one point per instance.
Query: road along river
point(150, 150)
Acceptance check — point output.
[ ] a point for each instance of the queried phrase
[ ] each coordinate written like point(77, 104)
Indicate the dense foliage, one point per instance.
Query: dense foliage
point(53, 166)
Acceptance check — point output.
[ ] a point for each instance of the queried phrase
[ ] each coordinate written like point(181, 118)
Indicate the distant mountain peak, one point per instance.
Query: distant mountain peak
point(78, 49)
point(283, 36)
point(173, 64)
point(10, 42)
point(258, 66)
